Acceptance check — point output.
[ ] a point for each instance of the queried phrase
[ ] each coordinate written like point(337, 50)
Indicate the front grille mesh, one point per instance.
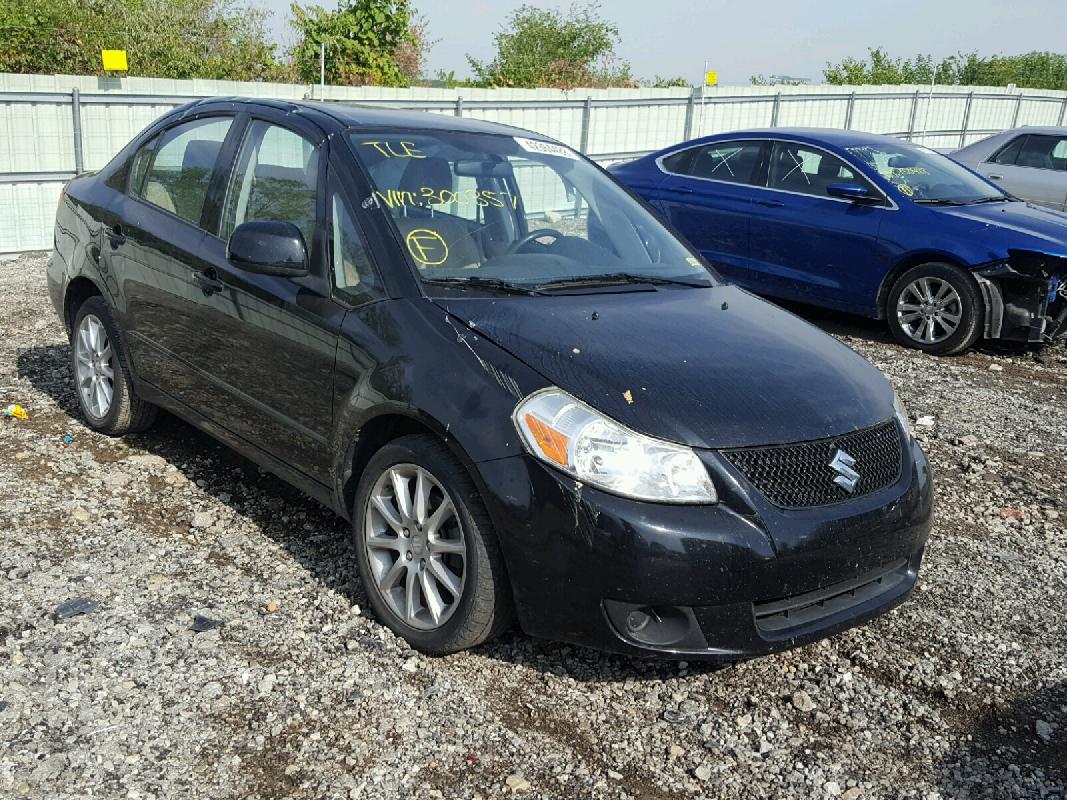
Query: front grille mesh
point(800, 475)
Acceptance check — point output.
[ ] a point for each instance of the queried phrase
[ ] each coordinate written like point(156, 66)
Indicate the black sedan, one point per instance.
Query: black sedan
point(528, 396)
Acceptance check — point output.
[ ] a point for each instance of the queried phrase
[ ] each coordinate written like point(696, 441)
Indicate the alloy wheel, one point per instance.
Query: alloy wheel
point(95, 366)
point(929, 310)
point(415, 546)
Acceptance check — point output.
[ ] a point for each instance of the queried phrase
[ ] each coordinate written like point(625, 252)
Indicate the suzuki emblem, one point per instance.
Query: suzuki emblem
point(842, 464)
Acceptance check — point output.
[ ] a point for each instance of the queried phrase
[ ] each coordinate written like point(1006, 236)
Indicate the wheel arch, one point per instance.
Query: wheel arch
point(379, 429)
point(78, 291)
point(906, 263)
point(391, 424)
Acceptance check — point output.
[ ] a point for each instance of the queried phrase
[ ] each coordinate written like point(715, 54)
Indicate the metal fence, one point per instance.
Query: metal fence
point(42, 152)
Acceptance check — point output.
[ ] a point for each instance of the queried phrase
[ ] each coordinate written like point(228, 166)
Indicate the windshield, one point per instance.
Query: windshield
point(925, 176)
point(489, 209)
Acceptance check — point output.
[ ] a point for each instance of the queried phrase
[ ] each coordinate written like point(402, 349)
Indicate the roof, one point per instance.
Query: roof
point(370, 116)
point(837, 137)
point(1052, 130)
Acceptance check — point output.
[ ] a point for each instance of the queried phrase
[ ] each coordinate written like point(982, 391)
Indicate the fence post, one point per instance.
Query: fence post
point(76, 111)
point(459, 106)
point(774, 111)
point(966, 119)
point(914, 113)
point(1063, 112)
point(1018, 108)
point(689, 107)
point(587, 112)
point(849, 109)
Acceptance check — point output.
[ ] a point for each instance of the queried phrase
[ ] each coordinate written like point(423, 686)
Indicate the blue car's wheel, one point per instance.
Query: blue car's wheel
point(936, 308)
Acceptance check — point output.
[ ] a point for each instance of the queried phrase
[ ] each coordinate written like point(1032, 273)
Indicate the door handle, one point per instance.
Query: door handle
point(208, 281)
point(680, 189)
point(771, 203)
point(996, 177)
point(115, 235)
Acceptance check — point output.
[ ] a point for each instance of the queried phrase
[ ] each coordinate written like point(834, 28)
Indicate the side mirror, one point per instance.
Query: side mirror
point(267, 247)
point(853, 192)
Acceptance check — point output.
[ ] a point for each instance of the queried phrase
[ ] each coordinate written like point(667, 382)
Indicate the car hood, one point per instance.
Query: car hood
point(710, 368)
point(1031, 225)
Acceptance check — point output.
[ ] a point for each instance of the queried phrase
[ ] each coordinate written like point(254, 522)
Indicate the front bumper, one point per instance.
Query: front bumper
point(738, 579)
point(1025, 298)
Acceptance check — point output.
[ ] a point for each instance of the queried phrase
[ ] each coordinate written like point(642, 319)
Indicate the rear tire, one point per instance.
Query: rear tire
point(442, 554)
point(936, 308)
point(102, 375)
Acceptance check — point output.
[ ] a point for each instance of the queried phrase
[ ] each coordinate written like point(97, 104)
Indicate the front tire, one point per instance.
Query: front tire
point(427, 552)
point(101, 370)
point(935, 308)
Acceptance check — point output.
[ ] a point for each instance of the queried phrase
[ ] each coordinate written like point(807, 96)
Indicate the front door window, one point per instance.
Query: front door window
point(276, 178)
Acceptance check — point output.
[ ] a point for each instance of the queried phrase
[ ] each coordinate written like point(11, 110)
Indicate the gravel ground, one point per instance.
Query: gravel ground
point(962, 692)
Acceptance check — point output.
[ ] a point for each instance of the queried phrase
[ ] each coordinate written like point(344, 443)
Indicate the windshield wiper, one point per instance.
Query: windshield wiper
point(940, 201)
point(495, 284)
point(943, 201)
point(615, 279)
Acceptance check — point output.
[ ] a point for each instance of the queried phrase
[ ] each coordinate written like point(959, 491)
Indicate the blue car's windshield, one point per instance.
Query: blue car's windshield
point(508, 210)
point(925, 176)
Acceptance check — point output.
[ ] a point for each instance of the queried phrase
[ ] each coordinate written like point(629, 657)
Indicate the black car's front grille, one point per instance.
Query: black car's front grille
point(803, 475)
point(780, 616)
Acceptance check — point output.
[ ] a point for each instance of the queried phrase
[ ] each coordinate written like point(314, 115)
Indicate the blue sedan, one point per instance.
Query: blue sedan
point(866, 224)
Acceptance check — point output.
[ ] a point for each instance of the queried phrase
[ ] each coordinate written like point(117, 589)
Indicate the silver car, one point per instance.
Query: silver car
point(1030, 163)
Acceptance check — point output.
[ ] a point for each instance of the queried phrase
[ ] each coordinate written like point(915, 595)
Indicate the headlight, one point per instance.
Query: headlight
point(902, 415)
point(571, 436)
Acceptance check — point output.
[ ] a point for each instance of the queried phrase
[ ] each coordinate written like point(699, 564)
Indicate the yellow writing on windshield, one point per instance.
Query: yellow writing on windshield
point(427, 196)
point(406, 149)
point(427, 247)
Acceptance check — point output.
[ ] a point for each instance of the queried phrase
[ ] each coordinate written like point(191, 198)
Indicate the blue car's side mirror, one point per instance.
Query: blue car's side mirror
point(853, 192)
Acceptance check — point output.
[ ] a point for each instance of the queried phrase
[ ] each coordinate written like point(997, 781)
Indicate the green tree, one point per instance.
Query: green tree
point(548, 47)
point(163, 38)
point(1036, 70)
point(411, 55)
point(659, 82)
point(362, 39)
point(776, 80)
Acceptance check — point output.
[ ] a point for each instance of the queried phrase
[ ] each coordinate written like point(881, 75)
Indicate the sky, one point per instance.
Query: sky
point(781, 37)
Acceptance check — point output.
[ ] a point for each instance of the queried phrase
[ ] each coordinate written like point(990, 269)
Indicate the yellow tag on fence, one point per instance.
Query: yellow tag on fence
point(114, 60)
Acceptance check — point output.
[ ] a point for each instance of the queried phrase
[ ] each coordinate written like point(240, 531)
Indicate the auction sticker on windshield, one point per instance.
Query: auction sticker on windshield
point(545, 148)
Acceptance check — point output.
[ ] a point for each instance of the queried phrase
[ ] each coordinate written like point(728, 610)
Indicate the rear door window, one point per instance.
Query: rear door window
point(1038, 152)
point(732, 162)
point(182, 167)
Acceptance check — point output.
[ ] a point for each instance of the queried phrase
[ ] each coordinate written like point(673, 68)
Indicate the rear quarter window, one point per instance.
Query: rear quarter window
point(678, 163)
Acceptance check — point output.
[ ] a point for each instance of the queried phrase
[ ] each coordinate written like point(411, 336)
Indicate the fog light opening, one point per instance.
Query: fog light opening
point(656, 626)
